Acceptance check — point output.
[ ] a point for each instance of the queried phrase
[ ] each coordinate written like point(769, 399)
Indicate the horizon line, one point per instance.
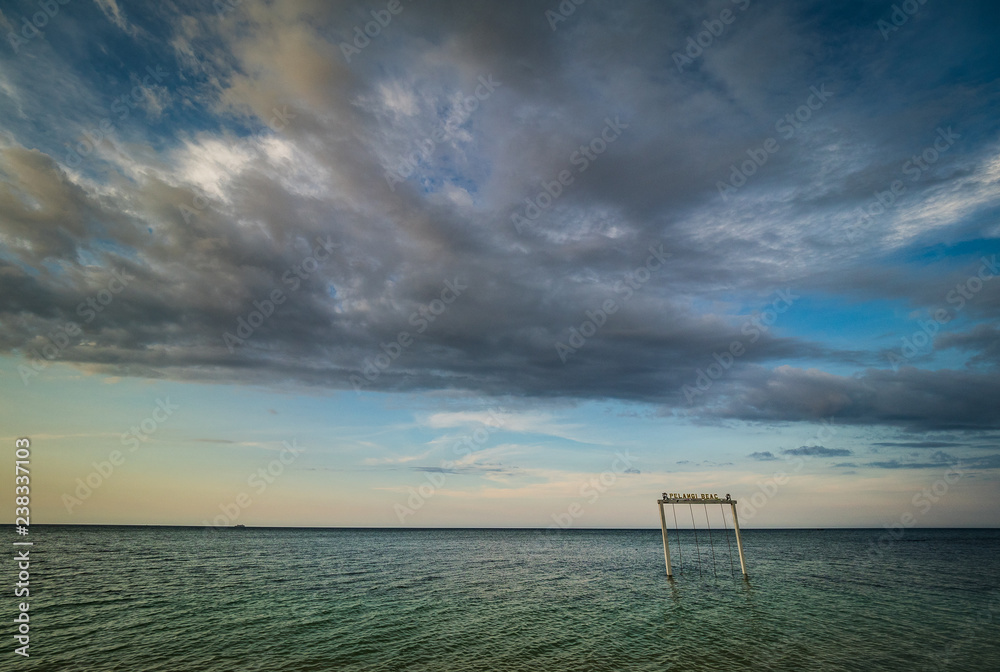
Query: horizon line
point(387, 527)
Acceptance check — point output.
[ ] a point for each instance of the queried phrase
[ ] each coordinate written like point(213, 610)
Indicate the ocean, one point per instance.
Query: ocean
point(173, 599)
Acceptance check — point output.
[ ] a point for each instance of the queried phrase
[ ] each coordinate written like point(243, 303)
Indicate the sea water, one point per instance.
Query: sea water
point(177, 599)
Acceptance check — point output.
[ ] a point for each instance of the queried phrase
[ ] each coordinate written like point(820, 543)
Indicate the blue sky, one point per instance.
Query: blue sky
point(451, 272)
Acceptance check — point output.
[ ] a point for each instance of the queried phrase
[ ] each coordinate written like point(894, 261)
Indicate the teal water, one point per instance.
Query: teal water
point(178, 599)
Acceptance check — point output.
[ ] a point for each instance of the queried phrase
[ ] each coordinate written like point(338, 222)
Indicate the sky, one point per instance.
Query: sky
point(481, 264)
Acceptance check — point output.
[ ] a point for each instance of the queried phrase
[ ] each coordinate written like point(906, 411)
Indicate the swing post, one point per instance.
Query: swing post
point(739, 542)
point(672, 498)
point(666, 544)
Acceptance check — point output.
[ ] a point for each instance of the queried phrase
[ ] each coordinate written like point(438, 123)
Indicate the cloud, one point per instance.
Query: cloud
point(941, 460)
point(896, 464)
point(817, 451)
point(941, 456)
point(762, 455)
point(396, 459)
point(464, 418)
point(115, 15)
point(215, 191)
point(984, 462)
point(435, 470)
point(482, 469)
point(913, 398)
point(983, 340)
point(918, 444)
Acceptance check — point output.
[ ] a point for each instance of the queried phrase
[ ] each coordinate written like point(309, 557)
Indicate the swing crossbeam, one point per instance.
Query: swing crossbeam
point(698, 499)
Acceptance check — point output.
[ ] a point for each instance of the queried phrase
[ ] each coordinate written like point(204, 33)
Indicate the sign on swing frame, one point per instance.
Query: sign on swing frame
point(687, 498)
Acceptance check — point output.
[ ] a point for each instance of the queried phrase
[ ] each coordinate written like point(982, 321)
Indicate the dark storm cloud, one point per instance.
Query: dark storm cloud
point(983, 340)
point(912, 398)
point(302, 233)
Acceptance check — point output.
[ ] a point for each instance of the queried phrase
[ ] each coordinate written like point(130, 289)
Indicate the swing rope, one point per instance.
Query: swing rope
point(694, 528)
point(677, 529)
point(732, 570)
point(710, 542)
